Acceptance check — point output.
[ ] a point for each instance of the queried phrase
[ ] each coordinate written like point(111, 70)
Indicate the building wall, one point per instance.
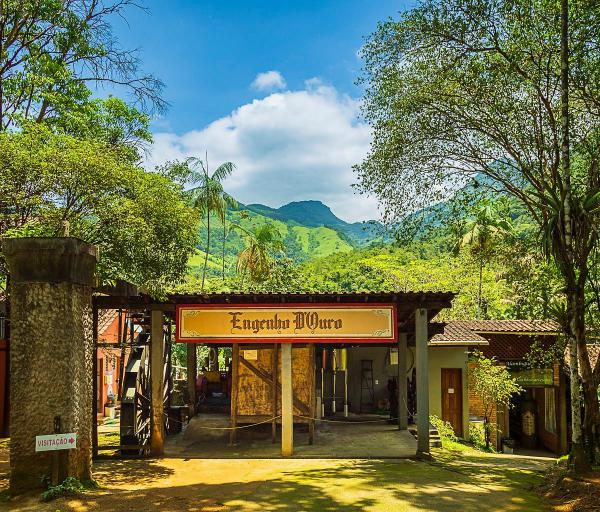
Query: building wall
point(447, 357)
point(439, 357)
point(382, 371)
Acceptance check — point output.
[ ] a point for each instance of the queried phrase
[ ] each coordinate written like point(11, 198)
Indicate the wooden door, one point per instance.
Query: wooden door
point(452, 399)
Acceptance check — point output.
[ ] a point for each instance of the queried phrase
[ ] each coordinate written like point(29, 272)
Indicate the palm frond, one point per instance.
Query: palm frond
point(223, 171)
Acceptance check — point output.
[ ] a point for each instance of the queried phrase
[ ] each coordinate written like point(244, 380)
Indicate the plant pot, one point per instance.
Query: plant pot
point(110, 411)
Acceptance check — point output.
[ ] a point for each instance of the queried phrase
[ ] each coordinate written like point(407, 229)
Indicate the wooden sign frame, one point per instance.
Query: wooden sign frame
point(262, 339)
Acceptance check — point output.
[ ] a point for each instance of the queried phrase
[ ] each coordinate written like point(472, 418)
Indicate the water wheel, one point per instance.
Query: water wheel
point(135, 403)
point(136, 408)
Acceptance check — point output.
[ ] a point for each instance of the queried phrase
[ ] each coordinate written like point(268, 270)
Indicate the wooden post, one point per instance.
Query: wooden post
point(95, 381)
point(157, 434)
point(235, 356)
point(402, 388)
point(192, 370)
point(274, 365)
point(422, 380)
point(313, 393)
point(287, 411)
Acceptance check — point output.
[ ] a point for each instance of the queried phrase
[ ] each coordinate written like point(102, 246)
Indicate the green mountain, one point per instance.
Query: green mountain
point(309, 230)
point(316, 214)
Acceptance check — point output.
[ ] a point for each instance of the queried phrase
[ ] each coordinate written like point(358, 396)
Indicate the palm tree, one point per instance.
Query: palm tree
point(210, 197)
point(257, 257)
point(483, 231)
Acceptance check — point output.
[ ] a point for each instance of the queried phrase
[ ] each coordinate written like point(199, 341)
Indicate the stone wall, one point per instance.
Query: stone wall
point(51, 355)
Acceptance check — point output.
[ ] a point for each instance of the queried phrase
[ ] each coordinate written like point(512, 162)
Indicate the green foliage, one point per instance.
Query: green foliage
point(445, 431)
point(70, 486)
point(140, 221)
point(494, 385)
point(55, 54)
point(258, 258)
point(542, 356)
point(477, 436)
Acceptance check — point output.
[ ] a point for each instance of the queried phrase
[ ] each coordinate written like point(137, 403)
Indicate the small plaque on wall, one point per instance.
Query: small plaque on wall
point(250, 355)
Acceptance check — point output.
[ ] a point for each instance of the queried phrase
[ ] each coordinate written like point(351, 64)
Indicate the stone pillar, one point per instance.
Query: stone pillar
point(51, 354)
point(422, 365)
point(287, 413)
point(157, 364)
point(402, 387)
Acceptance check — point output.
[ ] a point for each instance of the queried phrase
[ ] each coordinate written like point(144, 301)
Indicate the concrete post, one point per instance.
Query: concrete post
point(51, 354)
point(402, 388)
point(422, 365)
point(157, 363)
point(287, 413)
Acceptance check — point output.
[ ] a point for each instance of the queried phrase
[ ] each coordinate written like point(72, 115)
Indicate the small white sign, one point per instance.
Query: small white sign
point(451, 391)
point(53, 442)
point(250, 355)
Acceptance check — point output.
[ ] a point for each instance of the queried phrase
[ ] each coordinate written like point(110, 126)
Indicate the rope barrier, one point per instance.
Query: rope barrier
point(386, 420)
point(270, 420)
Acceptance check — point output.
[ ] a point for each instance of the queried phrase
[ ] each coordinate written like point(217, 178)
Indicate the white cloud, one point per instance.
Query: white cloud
point(289, 146)
point(269, 81)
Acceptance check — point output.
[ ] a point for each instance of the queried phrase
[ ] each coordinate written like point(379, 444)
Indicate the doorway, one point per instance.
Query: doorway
point(452, 400)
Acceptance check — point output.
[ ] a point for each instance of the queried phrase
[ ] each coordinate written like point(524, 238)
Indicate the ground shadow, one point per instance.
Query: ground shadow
point(437, 485)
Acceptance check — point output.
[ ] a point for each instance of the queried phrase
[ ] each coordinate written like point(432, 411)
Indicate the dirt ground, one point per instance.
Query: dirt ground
point(568, 493)
point(466, 481)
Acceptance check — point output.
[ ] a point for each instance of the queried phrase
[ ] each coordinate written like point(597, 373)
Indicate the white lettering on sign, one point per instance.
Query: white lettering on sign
point(451, 391)
point(56, 442)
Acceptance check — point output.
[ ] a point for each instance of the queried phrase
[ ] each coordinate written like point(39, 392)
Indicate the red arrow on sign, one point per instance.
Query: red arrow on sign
point(71, 440)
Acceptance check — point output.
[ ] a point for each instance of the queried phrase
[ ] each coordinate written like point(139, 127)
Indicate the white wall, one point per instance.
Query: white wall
point(447, 357)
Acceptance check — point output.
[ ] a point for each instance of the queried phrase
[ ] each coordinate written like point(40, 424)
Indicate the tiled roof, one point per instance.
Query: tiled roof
point(512, 326)
point(105, 318)
point(456, 333)
point(506, 346)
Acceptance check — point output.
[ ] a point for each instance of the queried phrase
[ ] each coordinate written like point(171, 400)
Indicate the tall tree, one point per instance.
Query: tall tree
point(209, 196)
point(483, 230)
point(461, 87)
point(140, 220)
point(54, 54)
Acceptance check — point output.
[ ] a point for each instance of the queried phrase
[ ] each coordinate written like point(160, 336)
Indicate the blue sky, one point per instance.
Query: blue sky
point(268, 85)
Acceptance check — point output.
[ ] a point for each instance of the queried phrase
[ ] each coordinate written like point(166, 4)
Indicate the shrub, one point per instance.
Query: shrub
point(444, 429)
point(70, 486)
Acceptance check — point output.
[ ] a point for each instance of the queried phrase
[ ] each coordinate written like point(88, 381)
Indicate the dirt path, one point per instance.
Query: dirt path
point(465, 482)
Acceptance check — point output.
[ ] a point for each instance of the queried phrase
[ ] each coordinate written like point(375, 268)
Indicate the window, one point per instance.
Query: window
point(550, 410)
point(2, 328)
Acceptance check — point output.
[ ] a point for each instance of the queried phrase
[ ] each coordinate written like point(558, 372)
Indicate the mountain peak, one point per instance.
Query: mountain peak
point(309, 213)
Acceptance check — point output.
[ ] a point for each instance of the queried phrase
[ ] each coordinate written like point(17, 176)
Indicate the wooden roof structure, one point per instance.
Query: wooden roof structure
point(406, 302)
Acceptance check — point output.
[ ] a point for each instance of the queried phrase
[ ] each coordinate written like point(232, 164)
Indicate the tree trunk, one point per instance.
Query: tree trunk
point(589, 384)
point(479, 291)
point(578, 458)
point(207, 249)
point(223, 255)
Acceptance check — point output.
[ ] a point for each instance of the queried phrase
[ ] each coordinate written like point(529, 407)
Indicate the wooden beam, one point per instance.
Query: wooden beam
point(235, 375)
point(402, 387)
point(192, 371)
point(422, 365)
point(274, 365)
point(287, 409)
point(157, 362)
point(313, 393)
point(94, 382)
